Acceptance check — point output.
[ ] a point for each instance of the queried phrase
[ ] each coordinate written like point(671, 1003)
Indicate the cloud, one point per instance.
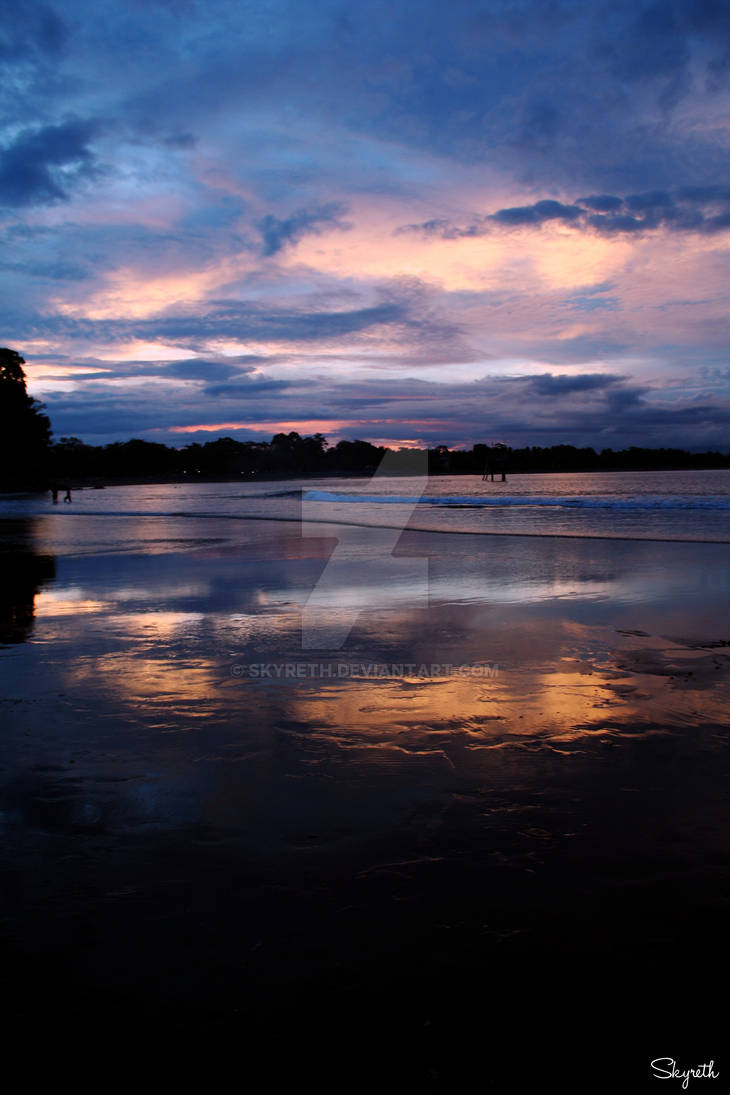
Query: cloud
point(601, 410)
point(245, 389)
point(278, 233)
point(233, 319)
point(663, 38)
point(243, 132)
point(246, 321)
point(556, 386)
point(602, 203)
point(539, 213)
point(41, 166)
point(199, 369)
point(696, 209)
point(29, 30)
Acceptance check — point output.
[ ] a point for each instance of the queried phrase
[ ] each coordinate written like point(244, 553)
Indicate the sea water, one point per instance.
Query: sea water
point(661, 505)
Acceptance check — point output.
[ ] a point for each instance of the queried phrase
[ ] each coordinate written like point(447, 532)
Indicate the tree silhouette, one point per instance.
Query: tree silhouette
point(25, 432)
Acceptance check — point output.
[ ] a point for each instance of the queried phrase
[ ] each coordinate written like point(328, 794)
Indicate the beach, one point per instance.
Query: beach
point(497, 807)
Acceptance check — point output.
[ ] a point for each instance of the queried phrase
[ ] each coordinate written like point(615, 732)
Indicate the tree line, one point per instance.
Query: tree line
point(289, 455)
point(31, 460)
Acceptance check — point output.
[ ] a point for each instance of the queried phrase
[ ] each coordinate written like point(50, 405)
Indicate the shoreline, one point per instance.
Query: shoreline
point(366, 474)
point(137, 515)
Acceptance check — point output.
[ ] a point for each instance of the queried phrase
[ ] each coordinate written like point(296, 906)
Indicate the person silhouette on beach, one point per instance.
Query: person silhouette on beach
point(67, 496)
point(54, 495)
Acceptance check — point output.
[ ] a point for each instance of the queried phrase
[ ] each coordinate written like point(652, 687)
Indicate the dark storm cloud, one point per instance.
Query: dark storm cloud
point(277, 233)
point(698, 209)
point(42, 165)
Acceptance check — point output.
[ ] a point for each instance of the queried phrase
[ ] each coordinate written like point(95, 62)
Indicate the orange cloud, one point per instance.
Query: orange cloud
point(308, 425)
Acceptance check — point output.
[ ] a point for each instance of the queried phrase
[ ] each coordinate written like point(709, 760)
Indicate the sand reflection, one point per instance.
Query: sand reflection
point(138, 660)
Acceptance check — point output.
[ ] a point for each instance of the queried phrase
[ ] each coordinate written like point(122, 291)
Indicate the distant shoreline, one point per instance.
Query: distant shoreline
point(100, 483)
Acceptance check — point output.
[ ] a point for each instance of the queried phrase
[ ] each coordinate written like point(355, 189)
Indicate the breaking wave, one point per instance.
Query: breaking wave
point(639, 502)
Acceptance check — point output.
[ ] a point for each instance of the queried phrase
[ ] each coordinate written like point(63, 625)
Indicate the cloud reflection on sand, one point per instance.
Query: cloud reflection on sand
point(151, 648)
point(215, 841)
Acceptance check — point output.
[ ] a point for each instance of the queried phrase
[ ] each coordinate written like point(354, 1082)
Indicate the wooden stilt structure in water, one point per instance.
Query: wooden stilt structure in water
point(496, 462)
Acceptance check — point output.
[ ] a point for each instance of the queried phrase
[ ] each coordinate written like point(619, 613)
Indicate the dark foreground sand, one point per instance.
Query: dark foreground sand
point(508, 861)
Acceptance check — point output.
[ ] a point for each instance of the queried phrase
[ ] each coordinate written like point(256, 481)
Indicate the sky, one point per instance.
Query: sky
point(410, 222)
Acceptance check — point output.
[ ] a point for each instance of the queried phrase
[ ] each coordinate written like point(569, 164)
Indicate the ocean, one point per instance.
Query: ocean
point(671, 505)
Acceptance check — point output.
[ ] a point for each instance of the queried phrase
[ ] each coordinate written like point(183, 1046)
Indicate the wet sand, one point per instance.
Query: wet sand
point(489, 833)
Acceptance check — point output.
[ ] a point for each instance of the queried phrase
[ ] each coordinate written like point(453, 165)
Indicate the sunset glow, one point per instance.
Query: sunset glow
point(340, 253)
